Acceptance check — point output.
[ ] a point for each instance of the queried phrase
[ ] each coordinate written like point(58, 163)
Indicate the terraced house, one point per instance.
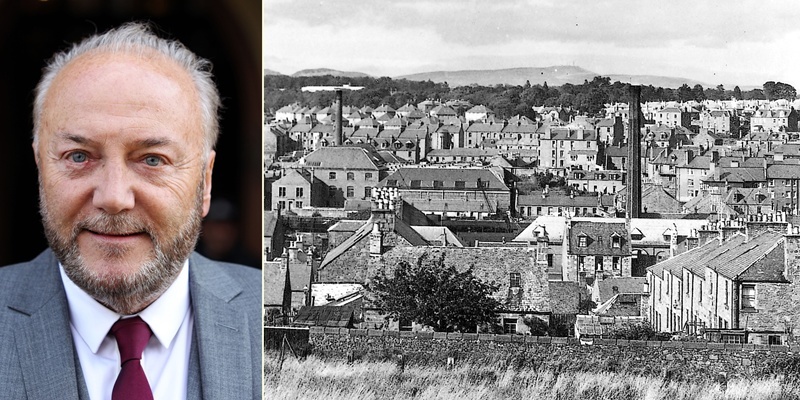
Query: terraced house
point(454, 192)
point(737, 286)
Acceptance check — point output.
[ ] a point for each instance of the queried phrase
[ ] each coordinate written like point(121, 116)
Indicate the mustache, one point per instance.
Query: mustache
point(117, 224)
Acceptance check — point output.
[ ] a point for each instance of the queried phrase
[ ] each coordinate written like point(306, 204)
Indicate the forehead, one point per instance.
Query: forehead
point(122, 84)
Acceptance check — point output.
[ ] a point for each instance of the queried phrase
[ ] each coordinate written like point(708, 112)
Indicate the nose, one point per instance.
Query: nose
point(113, 192)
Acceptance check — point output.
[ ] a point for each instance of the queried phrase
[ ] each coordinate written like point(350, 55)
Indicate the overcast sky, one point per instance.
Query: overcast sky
point(740, 42)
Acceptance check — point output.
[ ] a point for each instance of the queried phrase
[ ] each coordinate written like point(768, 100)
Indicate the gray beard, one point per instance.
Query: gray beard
point(127, 294)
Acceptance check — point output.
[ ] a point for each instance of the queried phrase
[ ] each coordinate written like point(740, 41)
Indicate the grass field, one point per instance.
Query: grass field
point(315, 378)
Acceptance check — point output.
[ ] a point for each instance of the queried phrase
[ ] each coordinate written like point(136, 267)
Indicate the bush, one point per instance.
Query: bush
point(635, 331)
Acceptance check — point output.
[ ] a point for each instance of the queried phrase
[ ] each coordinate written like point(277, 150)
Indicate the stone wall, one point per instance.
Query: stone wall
point(690, 360)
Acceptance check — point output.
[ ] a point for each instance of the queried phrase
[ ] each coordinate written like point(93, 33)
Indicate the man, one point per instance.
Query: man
point(119, 307)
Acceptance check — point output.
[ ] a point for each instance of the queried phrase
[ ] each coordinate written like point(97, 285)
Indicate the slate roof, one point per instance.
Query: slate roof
point(463, 152)
point(749, 196)
point(346, 225)
point(400, 227)
point(731, 259)
point(520, 119)
point(480, 109)
point(329, 316)
point(707, 204)
point(553, 227)
point(783, 171)
point(630, 285)
point(443, 111)
point(599, 240)
point(274, 283)
point(438, 234)
point(565, 133)
point(481, 127)
point(448, 177)
point(739, 175)
point(351, 157)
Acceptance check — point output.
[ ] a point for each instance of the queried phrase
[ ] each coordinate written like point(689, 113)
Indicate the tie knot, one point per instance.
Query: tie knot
point(132, 335)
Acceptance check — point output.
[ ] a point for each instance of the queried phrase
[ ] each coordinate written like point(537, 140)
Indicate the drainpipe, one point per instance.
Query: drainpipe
point(735, 287)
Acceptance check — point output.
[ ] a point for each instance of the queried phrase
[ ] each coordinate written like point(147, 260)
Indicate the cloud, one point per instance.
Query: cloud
point(708, 41)
point(624, 23)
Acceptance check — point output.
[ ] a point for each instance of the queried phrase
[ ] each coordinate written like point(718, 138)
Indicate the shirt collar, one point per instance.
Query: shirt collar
point(93, 320)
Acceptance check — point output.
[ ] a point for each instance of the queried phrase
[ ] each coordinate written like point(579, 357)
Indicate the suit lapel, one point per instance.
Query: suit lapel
point(44, 339)
point(221, 334)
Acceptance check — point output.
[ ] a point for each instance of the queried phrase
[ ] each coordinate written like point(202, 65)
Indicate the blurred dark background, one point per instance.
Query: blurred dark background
point(227, 32)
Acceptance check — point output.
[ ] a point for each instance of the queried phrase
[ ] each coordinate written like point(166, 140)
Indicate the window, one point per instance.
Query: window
point(483, 184)
point(598, 263)
point(748, 296)
point(510, 326)
point(298, 192)
point(298, 204)
point(367, 192)
point(514, 279)
point(726, 294)
point(772, 182)
point(415, 184)
point(405, 325)
point(616, 242)
point(282, 191)
point(581, 263)
point(459, 184)
point(774, 340)
point(437, 184)
point(391, 182)
point(331, 175)
point(350, 191)
point(615, 263)
point(690, 182)
point(351, 176)
point(367, 176)
point(700, 297)
point(582, 241)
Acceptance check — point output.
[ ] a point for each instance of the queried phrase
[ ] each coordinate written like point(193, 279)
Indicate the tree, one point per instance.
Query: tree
point(433, 294)
point(737, 93)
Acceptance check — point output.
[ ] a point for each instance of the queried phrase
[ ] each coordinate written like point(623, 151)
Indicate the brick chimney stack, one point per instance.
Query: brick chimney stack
point(634, 183)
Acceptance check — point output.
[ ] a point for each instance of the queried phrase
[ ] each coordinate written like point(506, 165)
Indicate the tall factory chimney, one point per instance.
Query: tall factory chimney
point(634, 199)
point(337, 133)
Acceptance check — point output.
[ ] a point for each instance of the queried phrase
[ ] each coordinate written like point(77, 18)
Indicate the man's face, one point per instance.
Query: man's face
point(123, 178)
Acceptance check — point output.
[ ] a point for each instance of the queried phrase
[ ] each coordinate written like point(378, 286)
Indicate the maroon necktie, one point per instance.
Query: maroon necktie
point(132, 335)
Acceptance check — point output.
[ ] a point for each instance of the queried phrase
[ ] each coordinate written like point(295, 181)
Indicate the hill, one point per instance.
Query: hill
point(554, 76)
point(327, 71)
point(268, 71)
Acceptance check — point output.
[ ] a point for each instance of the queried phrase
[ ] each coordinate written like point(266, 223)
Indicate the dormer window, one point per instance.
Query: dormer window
point(583, 241)
point(514, 279)
point(616, 241)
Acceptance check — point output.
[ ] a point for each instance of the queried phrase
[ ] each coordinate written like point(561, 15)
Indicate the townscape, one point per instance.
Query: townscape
point(540, 207)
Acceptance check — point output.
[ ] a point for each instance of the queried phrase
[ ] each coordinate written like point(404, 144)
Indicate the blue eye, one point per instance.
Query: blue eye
point(78, 157)
point(152, 161)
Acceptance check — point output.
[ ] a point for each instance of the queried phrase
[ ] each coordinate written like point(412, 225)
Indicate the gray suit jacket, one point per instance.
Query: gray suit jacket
point(37, 356)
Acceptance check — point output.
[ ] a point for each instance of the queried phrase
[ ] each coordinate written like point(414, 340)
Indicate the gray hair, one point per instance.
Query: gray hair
point(137, 38)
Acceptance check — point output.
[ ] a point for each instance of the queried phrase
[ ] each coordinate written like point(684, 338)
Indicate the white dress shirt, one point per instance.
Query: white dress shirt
point(165, 360)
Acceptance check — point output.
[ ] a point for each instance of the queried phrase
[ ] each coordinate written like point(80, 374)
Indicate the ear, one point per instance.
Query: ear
point(207, 182)
point(35, 146)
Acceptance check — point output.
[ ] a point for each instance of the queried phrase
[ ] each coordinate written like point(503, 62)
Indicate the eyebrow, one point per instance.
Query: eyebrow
point(145, 143)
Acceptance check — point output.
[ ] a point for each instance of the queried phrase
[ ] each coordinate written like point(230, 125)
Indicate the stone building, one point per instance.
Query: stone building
point(740, 282)
point(453, 192)
point(350, 172)
point(298, 188)
point(386, 239)
point(596, 248)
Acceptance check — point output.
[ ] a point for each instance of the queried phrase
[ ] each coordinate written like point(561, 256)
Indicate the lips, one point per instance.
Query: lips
point(115, 236)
